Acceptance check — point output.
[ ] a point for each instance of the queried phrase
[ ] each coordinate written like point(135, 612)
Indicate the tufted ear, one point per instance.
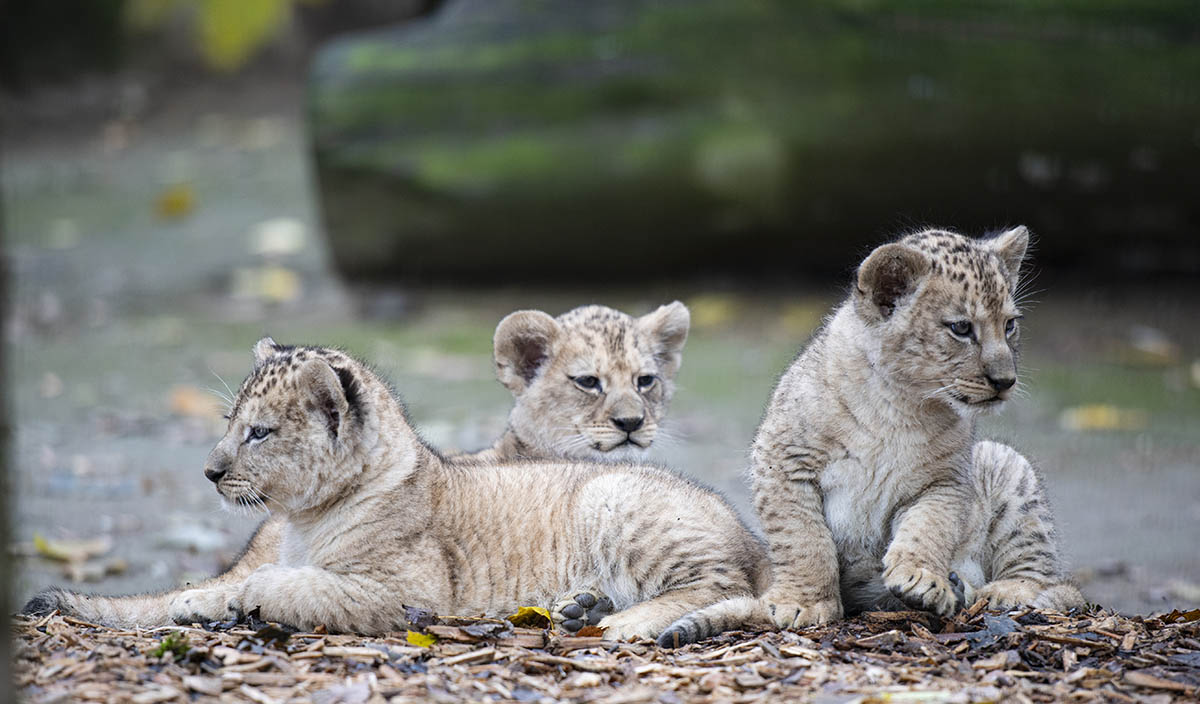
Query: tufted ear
point(891, 272)
point(329, 392)
point(521, 346)
point(1011, 246)
point(667, 328)
point(264, 349)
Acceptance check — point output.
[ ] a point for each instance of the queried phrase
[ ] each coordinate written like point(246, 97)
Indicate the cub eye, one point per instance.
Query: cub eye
point(586, 382)
point(962, 328)
point(1010, 327)
point(258, 432)
point(645, 381)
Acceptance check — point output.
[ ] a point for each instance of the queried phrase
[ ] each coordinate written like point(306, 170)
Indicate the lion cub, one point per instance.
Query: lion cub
point(593, 382)
point(866, 472)
point(375, 520)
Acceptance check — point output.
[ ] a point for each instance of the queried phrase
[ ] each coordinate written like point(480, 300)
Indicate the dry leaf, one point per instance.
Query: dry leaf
point(531, 617)
point(71, 550)
point(1102, 416)
point(175, 201)
point(421, 640)
point(591, 632)
point(192, 402)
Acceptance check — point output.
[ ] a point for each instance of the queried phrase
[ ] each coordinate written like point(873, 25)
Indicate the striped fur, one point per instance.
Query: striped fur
point(867, 477)
point(374, 520)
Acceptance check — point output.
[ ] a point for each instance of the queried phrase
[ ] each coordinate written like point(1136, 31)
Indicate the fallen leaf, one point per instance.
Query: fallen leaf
point(531, 617)
point(278, 237)
point(94, 570)
point(1102, 416)
point(71, 550)
point(591, 632)
point(419, 618)
point(175, 201)
point(421, 640)
point(192, 402)
point(1177, 616)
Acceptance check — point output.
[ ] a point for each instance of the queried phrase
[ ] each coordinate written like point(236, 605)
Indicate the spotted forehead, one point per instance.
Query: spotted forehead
point(608, 336)
point(279, 374)
point(966, 265)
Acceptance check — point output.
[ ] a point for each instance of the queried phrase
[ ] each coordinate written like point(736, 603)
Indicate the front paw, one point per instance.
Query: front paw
point(585, 608)
point(922, 589)
point(202, 606)
point(787, 613)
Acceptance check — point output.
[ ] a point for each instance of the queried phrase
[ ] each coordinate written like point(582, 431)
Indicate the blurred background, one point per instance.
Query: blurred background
point(180, 178)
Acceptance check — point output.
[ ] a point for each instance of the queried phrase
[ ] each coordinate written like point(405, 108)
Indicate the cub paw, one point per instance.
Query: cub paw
point(792, 615)
point(1015, 593)
point(922, 589)
point(586, 608)
point(202, 606)
point(623, 626)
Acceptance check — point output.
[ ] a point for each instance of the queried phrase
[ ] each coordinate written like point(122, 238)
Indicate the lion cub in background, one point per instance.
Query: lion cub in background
point(867, 475)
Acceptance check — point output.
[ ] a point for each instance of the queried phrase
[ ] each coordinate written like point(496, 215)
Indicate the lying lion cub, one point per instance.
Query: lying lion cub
point(375, 520)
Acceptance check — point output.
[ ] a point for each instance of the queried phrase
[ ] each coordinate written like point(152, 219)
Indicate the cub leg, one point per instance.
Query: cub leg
point(1021, 558)
point(163, 608)
point(307, 597)
point(649, 618)
point(804, 562)
point(916, 566)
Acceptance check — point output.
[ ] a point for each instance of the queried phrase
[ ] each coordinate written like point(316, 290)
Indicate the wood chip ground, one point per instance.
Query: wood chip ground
point(1025, 656)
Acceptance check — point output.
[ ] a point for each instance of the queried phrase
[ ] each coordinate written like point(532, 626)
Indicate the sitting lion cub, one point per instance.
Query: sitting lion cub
point(375, 520)
point(866, 464)
point(871, 487)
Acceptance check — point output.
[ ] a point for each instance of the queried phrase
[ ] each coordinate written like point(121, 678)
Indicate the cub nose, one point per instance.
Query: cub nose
point(628, 425)
point(214, 474)
point(1002, 383)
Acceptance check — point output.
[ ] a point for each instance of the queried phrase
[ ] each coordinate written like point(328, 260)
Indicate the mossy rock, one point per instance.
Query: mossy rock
point(505, 140)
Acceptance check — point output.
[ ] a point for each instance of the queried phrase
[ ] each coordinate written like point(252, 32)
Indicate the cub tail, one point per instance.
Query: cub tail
point(734, 613)
point(140, 611)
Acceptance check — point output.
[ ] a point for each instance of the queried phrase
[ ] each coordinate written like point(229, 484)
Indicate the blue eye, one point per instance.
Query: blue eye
point(586, 382)
point(645, 381)
point(1010, 327)
point(258, 432)
point(962, 328)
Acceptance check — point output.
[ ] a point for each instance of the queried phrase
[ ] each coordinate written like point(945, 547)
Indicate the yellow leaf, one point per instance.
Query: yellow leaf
point(70, 550)
point(192, 402)
point(421, 640)
point(175, 201)
point(531, 617)
point(1102, 416)
point(232, 30)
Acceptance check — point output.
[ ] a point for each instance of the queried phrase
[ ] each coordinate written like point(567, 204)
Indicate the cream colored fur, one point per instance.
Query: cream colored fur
point(534, 353)
point(543, 360)
point(374, 520)
point(867, 476)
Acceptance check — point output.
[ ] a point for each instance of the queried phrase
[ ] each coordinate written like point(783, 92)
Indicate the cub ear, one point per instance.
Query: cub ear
point(328, 392)
point(264, 349)
point(887, 275)
point(667, 329)
point(521, 346)
point(1011, 246)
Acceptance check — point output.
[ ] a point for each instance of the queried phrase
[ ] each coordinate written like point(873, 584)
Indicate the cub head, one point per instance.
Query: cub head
point(298, 419)
point(943, 310)
point(593, 381)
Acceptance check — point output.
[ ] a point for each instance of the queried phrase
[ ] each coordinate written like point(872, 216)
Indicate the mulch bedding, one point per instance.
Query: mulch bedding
point(1023, 656)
